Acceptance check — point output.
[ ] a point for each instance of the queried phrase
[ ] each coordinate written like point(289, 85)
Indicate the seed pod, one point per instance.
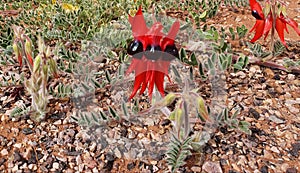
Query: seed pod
point(178, 117)
point(37, 63)
point(53, 67)
point(202, 109)
point(168, 99)
point(48, 52)
point(17, 53)
point(28, 51)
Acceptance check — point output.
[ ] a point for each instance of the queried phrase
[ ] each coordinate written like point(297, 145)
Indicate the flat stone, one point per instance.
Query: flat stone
point(196, 169)
point(4, 152)
point(212, 167)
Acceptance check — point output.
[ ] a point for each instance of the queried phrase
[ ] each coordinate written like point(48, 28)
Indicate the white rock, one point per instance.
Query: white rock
point(17, 145)
point(196, 169)
point(212, 167)
point(58, 122)
point(15, 168)
point(117, 153)
point(275, 149)
point(55, 165)
point(4, 152)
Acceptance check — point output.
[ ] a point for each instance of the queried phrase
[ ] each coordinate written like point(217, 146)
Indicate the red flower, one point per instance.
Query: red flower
point(152, 52)
point(263, 25)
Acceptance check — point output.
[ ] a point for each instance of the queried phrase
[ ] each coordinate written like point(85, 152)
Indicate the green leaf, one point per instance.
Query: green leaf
point(103, 115)
point(182, 54)
point(232, 33)
point(125, 109)
point(113, 112)
point(107, 76)
point(191, 74)
point(177, 74)
point(203, 14)
point(225, 114)
point(193, 59)
point(238, 66)
point(244, 126)
point(201, 71)
point(211, 66)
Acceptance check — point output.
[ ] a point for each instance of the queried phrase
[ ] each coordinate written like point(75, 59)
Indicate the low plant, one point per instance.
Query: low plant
point(40, 67)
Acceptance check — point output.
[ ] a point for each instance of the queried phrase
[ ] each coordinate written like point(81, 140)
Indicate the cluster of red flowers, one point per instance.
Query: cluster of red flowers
point(264, 23)
point(152, 52)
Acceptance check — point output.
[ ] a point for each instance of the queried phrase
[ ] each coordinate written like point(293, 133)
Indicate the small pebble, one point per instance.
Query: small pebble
point(55, 165)
point(27, 131)
point(4, 152)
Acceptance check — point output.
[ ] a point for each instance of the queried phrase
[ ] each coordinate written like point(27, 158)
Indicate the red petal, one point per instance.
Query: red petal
point(169, 39)
point(293, 24)
point(154, 34)
point(259, 30)
point(29, 57)
point(138, 24)
point(20, 59)
point(280, 25)
point(266, 34)
point(132, 66)
point(159, 82)
point(137, 83)
point(151, 83)
point(164, 66)
point(268, 24)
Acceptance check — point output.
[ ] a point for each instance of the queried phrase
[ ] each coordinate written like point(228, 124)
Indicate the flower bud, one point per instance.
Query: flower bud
point(168, 99)
point(267, 9)
point(53, 67)
point(283, 11)
point(17, 53)
point(178, 113)
point(37, 63)
point(202, 108)
point(48, 52)
point(178, 117)
point(45, 73)
point(28, 51)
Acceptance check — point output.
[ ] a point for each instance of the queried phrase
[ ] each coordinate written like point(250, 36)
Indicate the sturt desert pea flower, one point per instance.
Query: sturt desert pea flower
point(152, 52)
point(264, 24)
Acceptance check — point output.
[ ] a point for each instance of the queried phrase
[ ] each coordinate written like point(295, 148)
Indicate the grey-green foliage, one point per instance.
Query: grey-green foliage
point(241, 62)
point(291, 63)
point(19, 111)
point(240, 31)
point(54, 23)
point(224, 118)
point(89, 118)
point(237, 3)
point(177, 152)
point(279, 48)
point(257, 50)
point(61, 91)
